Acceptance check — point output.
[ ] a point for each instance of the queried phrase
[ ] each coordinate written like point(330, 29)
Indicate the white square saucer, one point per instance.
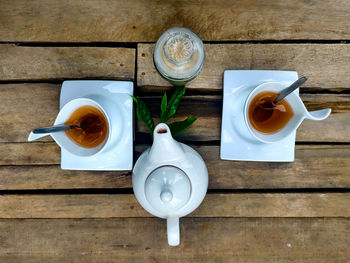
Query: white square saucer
point(236, 141)
point(114, 98)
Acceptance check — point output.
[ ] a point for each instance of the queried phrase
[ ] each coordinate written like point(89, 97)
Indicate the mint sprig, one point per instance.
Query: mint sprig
point(144, 114)
point(167, 110)
point(179, 126)
point(171, 107)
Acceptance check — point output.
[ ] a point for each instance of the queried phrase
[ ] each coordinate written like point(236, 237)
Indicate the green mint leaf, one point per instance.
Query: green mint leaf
point(134, 98)
point(144, 115)
point(173, 103)
point(179, 126)
point(163, 107)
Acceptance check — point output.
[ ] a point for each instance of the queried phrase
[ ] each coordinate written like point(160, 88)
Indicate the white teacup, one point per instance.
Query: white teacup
point(297, 105)
point(64, 141)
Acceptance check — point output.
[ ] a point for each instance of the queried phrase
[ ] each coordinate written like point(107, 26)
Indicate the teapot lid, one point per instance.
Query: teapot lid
point(167, 189)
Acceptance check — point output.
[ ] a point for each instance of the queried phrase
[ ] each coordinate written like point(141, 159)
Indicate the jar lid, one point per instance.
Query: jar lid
point(179, 54)
point(167, 189)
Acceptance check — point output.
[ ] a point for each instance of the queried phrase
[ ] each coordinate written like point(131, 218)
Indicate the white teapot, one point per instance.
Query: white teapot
point(170, 180)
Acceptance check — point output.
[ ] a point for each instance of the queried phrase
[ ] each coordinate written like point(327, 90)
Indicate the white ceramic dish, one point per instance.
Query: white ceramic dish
point(237, 143)
point(114, 97)
point(299, 113)
point(65, 142)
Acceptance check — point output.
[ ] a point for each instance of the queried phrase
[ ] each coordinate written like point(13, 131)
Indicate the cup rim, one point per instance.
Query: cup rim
point(82, 101)
point(252, 94)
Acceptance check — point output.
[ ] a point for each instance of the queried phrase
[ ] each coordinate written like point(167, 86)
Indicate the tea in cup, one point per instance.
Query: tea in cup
point(268, 121)
point(91, 127)
point(92, 130)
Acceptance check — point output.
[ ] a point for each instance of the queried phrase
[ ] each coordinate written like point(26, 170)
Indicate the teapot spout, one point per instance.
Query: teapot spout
point(164, 147)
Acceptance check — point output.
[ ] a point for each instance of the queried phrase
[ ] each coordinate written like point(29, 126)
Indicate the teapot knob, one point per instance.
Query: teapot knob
point(166, 196)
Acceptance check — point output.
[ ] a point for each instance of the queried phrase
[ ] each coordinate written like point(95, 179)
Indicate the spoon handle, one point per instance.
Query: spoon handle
point(291, 88)
point(50, 129)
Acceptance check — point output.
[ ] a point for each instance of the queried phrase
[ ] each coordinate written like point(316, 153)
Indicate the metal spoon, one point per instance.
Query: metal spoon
point(90, 124)
point(56, 128)
point(269, 106)
point(284, 93)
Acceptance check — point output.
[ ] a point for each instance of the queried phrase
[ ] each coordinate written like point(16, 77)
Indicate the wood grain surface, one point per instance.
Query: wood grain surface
point(35, 166)
point(37, 63)
point(34, 177)
point(214, 205)
point(144, 21)
point(325, 65)
point(254, 211)
point(125, 240)
point(39, 107)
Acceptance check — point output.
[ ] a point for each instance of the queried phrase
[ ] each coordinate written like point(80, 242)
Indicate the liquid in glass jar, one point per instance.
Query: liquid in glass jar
point(179, 55)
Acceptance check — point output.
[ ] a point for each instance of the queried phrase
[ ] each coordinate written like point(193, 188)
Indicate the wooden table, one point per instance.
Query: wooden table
point(253, 212)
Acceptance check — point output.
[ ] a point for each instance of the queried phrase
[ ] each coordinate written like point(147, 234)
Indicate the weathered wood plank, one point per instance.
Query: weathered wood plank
point(308, 170)
point(315, 166)
point(37, 63)
point(140, 21)
point(22, 177)
point(325, 65)
point(39, 107)
point(241, 240)
point(25, 107)
point(35, 153)
point(214, 205)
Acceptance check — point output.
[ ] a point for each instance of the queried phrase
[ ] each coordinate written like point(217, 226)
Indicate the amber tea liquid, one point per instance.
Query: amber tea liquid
point(95, 128)
point(267, 117)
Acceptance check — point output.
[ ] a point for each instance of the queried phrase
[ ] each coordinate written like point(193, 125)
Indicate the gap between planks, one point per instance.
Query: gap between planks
point(134, 44)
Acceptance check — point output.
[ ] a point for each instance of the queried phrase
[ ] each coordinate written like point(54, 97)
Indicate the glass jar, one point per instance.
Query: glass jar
point(179, 55)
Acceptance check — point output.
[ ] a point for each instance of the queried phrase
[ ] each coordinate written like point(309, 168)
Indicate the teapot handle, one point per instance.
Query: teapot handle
point(173, 230)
